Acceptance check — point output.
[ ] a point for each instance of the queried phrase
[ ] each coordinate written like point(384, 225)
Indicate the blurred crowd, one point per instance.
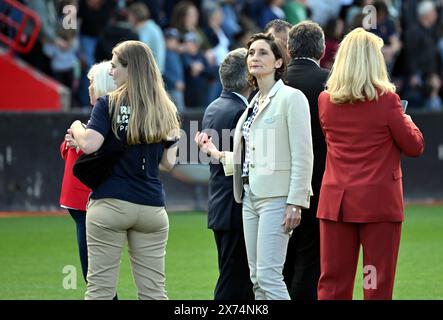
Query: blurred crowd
point(190, 38)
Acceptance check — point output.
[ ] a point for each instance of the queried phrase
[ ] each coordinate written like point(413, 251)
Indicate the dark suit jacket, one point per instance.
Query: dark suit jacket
point(306, 76)
point(223, 212)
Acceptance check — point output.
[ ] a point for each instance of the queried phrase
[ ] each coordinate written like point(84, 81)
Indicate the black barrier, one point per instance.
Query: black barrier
point(423, 176)
point(31, 168)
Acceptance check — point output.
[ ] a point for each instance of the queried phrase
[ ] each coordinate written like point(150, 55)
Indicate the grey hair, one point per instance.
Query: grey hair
point(279, 25)
point(425, 7)
point(233, 71)
point(102, 80)
point(306, 39)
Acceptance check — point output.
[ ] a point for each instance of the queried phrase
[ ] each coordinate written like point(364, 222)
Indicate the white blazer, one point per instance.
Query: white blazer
point(281, 154)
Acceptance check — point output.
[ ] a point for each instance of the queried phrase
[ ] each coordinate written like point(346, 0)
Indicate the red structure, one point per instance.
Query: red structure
point(23, 88)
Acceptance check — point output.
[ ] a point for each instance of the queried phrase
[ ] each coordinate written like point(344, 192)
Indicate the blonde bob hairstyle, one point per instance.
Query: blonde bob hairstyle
point(359, 71)
point(102, 82)
point(153, 116)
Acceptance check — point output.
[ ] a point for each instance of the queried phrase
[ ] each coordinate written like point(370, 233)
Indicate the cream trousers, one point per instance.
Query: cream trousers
point(266, 244)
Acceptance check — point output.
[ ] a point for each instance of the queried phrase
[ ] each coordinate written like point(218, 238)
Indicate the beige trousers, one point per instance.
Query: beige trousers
point(109, 224)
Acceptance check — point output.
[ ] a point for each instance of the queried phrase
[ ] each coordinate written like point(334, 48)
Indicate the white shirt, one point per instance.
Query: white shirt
point(306, 58)
point(241, 97)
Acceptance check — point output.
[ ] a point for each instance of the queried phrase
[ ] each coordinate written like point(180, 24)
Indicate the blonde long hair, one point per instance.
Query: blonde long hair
point(153, 116)
point(359, 70)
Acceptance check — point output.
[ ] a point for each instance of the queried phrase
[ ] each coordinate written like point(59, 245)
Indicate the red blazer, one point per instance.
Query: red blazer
point(363, 178)
point(74, 194)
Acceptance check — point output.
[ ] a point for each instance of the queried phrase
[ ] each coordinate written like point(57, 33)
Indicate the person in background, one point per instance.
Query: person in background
point(279, 29)
point(323, 10)
point(296, 11)
point(355, 13)
point(271, 10)
point(93, 16)
point(47, 12)
point(129, 205)
point(431, 92)
point(224, 214)
point(306, 46)
point(185, 18)
point(74, 194)
point(333, 30)
point(219, 43)
point(387, 30)
point(148, 31)
point(64, 59)
point(174, 72)
point(421, 53)
point(241, 38)
point(118, 30)
point(155, 7)
point(271, 164)
point(361, 197)
point(231, 18)
point(198, 72)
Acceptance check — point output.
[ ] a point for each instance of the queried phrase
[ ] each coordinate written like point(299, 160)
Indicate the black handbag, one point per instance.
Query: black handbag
point(94, 168)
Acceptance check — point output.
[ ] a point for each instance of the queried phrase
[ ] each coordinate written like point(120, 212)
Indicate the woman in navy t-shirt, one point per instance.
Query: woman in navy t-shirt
point(129, 205)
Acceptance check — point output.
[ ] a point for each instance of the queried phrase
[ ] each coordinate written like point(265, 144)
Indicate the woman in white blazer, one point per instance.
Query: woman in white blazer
point(272, 163)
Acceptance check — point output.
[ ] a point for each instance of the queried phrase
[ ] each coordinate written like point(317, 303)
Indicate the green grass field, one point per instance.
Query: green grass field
point(34, 251)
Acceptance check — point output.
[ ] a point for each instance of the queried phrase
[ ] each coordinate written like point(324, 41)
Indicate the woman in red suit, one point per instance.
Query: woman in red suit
point(361, 198)
point(74, 194)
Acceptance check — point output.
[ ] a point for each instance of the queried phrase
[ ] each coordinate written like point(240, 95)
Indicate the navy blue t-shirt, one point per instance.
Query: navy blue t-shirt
point(135, 176)
point(385, 30)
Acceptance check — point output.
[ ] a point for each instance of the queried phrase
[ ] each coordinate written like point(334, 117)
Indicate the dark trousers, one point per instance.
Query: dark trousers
point(65, 77)
point(234, 280)
point(80, 223)
point(38, 59)
point(302, 266)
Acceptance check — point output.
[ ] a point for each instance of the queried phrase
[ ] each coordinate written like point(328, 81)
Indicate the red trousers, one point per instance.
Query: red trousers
point(339, 250)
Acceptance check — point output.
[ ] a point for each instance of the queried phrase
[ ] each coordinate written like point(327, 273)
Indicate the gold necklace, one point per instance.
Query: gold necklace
point(261, 99)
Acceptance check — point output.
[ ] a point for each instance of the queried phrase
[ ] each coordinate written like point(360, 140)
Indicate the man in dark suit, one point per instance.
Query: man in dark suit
point(306, 46)
point(224, 214)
